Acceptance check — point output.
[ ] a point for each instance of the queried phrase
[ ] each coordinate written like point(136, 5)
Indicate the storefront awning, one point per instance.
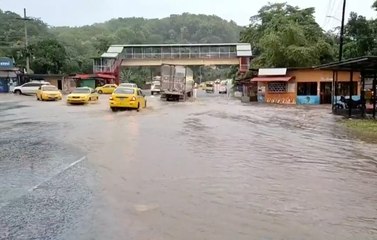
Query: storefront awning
point(8, 74)
point(89, 76)
point(271, 79)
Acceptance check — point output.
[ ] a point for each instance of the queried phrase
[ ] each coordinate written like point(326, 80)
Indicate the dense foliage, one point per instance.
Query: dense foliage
point(83, 43)
point(285, 36)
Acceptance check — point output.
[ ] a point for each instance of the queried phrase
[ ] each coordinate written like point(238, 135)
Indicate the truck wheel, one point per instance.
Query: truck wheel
point(152, 93)
point(114, 109)
point(138, 107)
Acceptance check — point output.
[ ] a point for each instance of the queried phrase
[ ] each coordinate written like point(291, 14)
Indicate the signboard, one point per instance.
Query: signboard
point(6, 63)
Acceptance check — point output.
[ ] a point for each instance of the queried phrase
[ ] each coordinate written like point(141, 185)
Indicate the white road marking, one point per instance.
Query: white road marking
point(63, 170)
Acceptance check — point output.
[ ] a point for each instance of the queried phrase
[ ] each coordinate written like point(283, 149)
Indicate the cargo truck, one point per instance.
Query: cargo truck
point(177, 83)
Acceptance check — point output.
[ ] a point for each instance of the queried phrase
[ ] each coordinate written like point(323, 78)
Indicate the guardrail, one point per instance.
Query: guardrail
point(206, 55)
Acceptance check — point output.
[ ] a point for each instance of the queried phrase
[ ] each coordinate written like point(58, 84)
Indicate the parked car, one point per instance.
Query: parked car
point(29, 88)
point(106, 89)
point(48, 92)
point(210, 88)
point(124, 97)
point(222, 89)
point(82, 95)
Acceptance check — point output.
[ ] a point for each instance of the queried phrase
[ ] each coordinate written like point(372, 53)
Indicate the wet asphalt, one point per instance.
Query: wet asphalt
point(209, 168)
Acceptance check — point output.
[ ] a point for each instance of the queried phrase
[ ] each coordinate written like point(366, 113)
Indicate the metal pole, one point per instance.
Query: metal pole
point(26, 44)
point(374, 93)
point(342, 32)
point(333, 90)
point(350, 105)
point(362, 95)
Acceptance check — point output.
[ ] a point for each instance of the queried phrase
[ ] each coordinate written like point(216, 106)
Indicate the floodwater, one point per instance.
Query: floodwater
point(212, 168)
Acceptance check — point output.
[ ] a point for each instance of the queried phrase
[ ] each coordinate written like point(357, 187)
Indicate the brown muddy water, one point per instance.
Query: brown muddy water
point(213, 168)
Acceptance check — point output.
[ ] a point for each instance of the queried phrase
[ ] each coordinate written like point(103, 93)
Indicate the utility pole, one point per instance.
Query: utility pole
point(342, 32)
point(26, 19)
point(26, 44)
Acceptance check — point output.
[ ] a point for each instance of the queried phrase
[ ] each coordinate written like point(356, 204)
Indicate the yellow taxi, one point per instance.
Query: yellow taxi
point(82, 95)
point(48, 92)
point(127, 98)
point(106, 89)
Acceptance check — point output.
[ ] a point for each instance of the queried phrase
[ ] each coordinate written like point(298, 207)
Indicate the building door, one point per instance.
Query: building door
point(60, 85)
point(326, 91)
point(4, 88)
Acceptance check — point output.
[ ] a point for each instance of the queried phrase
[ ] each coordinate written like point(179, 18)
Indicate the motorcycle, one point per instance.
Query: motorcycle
point(347, 103)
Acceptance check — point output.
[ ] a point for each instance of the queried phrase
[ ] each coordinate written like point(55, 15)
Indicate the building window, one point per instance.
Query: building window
point(343, 88)
point(278, 87)
point(306, 88)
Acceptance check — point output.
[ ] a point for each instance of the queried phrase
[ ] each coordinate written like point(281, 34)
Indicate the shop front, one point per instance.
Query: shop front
point(8, 75)
point(315, 86)
point(304, 86)
point(274, 86)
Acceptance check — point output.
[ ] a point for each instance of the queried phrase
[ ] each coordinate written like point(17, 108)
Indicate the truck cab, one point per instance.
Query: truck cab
point(156, 87)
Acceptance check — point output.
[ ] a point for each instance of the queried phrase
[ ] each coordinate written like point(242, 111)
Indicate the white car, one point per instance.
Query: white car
point(128, 85)
point(29, 88)
point(223, 89)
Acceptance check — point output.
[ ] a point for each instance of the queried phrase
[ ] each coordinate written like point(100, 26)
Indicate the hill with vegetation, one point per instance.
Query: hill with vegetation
point(281, 35)
point(77, 45)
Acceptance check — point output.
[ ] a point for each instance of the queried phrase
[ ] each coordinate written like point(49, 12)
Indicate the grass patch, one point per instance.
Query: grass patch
point(364, 127)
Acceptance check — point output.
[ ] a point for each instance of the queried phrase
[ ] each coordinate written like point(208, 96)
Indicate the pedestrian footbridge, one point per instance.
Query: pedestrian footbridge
point(136, 55)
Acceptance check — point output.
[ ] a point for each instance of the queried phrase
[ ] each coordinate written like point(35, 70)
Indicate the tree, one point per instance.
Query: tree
point(375, 5)
point(360, 37)
point(285, 36)
point(48, 56)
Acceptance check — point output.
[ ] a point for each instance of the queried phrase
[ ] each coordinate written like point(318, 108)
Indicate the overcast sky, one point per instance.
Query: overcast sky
point(84, 12)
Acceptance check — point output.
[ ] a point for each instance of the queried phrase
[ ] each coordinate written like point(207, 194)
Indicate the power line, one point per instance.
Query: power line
point(325, 20)
point(335, 4)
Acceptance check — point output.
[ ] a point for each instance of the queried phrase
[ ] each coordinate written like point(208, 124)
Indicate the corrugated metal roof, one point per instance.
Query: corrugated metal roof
point(271, 79)
point(244, 53)
point(115, 49)
point(184, 45)
point(6, 74)
point(272, 71)
point(109, 55)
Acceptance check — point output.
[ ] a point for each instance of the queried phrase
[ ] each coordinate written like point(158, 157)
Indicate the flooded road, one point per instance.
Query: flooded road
point(213, 168)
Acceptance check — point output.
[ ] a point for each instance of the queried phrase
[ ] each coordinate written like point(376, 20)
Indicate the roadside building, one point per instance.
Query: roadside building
point(8, 75)
point(53, 79)
point(93, 80)
point(303, 85)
